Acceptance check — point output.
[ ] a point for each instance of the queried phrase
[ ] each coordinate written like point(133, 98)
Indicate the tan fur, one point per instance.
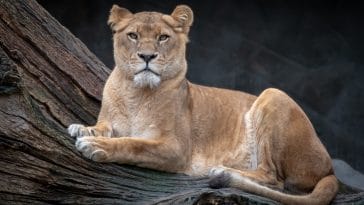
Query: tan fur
point(159, 120)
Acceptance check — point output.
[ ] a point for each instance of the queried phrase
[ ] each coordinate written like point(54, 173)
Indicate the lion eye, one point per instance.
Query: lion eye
point(133, 36)
point(163, 38)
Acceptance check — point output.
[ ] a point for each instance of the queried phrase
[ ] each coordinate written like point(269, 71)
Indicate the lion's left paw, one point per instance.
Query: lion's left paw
point(92, 148)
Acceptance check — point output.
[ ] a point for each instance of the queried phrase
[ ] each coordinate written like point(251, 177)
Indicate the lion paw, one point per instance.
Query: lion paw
point(78, 130)
point(219, 177)
point(214, 171)
point(90, 148)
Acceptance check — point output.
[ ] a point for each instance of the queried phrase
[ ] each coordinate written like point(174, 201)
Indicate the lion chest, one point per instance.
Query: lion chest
point(137, 125)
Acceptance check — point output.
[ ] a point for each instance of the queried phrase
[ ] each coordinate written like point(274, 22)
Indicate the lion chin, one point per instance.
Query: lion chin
point(146, 79)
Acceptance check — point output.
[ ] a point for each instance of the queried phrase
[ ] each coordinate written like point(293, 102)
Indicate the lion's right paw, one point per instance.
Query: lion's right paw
point(78, 130)
point(219, 177)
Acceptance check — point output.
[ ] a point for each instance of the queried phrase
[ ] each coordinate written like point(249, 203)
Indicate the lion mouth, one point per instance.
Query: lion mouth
point(147, 69)
point(147, 77)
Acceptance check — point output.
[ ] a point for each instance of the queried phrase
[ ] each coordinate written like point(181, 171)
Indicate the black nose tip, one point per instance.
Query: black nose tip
point(147, 57)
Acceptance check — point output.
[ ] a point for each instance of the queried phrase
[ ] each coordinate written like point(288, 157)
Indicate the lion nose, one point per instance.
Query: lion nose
point(147, 57)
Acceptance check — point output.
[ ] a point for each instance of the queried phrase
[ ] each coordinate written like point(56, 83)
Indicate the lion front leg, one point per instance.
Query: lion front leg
point(100, 129)
point(154, 154)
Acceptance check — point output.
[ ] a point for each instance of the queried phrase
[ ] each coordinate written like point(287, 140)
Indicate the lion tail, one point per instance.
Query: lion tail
point(323, 193)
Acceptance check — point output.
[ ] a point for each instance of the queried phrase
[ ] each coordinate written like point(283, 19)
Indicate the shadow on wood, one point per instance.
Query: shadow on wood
point(49, 80)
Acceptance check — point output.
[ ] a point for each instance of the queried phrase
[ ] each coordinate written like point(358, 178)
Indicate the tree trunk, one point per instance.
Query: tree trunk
point(49, 80)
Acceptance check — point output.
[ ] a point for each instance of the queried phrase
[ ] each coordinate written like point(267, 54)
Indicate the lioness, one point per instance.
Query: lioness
point(151, 116)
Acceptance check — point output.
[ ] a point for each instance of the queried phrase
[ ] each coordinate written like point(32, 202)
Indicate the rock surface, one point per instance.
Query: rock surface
point(349, 176)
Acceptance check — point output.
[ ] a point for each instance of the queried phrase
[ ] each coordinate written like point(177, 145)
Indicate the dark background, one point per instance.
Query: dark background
point(313, 50)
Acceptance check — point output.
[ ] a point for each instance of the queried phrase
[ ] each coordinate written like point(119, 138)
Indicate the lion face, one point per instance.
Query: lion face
point(148, 46)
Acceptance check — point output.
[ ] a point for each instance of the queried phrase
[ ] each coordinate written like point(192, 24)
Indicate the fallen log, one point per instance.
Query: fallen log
point(48, 80)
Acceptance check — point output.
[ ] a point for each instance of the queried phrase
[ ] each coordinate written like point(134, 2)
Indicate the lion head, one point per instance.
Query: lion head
point(148, 46)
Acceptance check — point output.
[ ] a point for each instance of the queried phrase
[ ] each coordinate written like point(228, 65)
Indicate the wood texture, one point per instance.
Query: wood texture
point(48, 80)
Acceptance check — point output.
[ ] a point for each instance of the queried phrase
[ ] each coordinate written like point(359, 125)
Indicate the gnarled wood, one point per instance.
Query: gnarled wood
point(49, 80)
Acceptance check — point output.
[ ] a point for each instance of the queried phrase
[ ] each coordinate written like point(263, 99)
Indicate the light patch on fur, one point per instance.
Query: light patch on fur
point(146, 133)
point(214, 171)
point(251, 125)
point(76, 130)
point(146, 79)
point(198, 166)
point(183, 17)
point(178, 29)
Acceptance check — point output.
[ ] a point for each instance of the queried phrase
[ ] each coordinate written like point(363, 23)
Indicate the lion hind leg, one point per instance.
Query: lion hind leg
point(276, 129)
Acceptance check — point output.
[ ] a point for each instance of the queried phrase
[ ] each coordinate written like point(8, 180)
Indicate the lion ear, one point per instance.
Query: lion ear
point(181, 18)
point(118, 17)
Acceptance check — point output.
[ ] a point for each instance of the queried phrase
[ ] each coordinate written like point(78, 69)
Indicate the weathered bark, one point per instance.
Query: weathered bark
point(49, 80)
